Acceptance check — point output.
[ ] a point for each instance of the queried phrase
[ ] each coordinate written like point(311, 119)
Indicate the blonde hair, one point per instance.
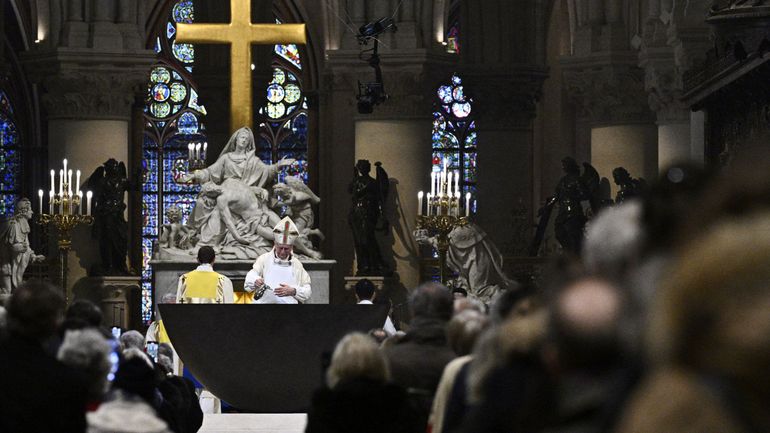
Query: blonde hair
point(357, 356)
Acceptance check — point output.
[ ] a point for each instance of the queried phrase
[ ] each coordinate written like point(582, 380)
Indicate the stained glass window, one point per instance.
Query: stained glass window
point(10, 161)
point(284, 118)
point(454, 135)
point(173, 118)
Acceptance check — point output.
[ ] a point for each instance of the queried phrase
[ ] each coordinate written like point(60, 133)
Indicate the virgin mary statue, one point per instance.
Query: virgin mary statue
point(232, 198)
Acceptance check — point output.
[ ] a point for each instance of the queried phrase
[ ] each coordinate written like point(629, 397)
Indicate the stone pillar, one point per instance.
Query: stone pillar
point(611, 96)
point(87, 98)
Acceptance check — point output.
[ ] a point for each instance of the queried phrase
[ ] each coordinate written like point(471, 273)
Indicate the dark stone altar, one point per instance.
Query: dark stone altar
point(263, 358)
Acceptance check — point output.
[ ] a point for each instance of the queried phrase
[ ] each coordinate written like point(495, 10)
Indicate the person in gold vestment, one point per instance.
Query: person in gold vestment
point(203, 285)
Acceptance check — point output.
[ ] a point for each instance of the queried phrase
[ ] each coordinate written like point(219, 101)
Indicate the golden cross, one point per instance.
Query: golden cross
point(240, 33)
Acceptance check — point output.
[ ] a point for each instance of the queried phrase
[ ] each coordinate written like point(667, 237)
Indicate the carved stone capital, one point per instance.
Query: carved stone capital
point(663, 84)
point(83, 85)
point(607, 90)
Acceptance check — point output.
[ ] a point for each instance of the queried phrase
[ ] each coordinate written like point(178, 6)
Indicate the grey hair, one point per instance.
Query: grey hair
point(464, 329)
point(87, 350)
point(613, 239)
point(357, 356)
point(131, 339)
point(133, 352)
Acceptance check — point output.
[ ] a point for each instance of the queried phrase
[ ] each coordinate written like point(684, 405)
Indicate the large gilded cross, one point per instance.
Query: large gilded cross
point(240, 33)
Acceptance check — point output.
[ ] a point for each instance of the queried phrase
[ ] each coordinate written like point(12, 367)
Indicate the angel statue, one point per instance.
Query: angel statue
point(572, 189)
point(366, 215)
point(15, 252)
point(174, 234)
point(231, 212)
point(295, 199)
point(109, 184)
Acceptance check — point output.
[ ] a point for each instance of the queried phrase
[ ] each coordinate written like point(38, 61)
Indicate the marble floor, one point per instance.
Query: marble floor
point(254, 422)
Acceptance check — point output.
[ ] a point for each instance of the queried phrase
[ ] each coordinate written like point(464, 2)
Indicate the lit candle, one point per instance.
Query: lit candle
point(430, 196)
point(457, 185)
point(442, 184)
point(205, 146)
point(65, 165)
point(449, 185)
point(467, 204)
point(61, 182)
point(457, 203)
point(40, 196)
point(53, 184)
point(190, 148)
point(80, 202)
point(89, 194)
point(69, 182)
point(198, 151)
point(432, 183)
point(419, 202)
point(77, 182)
point(50, 202)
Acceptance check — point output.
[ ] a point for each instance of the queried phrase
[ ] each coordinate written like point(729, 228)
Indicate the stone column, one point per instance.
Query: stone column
point(87, 98)
point(612, 97)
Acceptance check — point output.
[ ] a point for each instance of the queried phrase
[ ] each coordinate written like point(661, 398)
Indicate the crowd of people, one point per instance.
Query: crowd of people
point(661, 324)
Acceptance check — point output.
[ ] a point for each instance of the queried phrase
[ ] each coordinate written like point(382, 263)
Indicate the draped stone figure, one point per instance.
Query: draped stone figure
point(15, 252)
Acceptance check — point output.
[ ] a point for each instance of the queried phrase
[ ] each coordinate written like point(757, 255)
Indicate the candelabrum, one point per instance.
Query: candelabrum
point(442, 213)
point(65, 212)
point(196, 155)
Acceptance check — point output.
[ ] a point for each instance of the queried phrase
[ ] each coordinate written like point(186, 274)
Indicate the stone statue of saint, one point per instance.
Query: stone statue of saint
point(476, 261)
point(231, 212)
point(109, 184)
point(15, 252)
point(366, 215)
point(629, 187)
point(174, 234)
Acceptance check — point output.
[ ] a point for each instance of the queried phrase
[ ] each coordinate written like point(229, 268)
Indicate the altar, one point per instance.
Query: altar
point(166, 275)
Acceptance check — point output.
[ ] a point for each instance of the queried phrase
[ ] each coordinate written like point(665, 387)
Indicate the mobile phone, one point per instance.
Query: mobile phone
point(114, 359)
point(116, 331)
point(152, 350)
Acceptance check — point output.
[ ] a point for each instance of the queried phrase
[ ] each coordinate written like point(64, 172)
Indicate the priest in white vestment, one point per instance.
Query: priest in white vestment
point(277, 276)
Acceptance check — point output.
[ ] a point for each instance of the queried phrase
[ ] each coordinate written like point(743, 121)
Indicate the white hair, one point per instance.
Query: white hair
point(613, 238)
point(357, 356)
point(87, 350)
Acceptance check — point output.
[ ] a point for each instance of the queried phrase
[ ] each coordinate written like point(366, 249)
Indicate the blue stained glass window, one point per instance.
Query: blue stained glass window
point(454, 138)
point(10, 159)
point(173, 119)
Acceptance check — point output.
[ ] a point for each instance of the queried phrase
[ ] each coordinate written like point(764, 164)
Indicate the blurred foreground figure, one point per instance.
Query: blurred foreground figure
point(37, 392)
point(710, 336)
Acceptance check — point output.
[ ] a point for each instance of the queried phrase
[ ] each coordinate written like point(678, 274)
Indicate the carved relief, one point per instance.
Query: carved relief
point(610, 94)
point(88, 94)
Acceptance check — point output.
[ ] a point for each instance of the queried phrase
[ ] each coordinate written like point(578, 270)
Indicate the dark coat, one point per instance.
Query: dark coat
point(418, 359)
point(38, 394)
point(362, 405)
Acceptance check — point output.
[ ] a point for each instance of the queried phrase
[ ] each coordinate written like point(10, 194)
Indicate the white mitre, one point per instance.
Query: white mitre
point(285, 232)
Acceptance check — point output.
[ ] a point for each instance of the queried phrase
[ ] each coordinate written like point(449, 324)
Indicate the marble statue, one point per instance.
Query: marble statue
point(476, 261)
point(15, 252)
point(174, 234)
point(294, 199)
point(109, 184)
point(366, 216)
point(234, 212)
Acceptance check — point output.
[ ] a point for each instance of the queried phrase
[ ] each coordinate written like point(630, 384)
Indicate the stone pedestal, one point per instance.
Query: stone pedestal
point(380, 283)
point(166, 275)
point(119, 298)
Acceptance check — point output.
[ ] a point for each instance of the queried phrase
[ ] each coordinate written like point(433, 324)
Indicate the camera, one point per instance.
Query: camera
point(374, 28)
point(369, 95)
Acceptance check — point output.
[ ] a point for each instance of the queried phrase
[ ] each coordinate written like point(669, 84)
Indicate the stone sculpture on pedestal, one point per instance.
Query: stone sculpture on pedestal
point(366, 216)
point(476, 261)
point(234, 212)
point(15, 252)
point(109, 184)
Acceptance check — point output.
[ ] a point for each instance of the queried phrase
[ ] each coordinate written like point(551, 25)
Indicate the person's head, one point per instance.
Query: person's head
point(431, 301)
point(88, 351)
point(570, 166)
point(363, 166)
point(459, 292)
point(206, 255)
point(35, 310)
point(365, 290)
point(131, 339)
point(357, 356)
point(463, 330)
point(514, 302)
point(285, 233)
point(585, 324)
point(85, 310)
point(23, 208)
point(136, 375)
point(283, 251)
